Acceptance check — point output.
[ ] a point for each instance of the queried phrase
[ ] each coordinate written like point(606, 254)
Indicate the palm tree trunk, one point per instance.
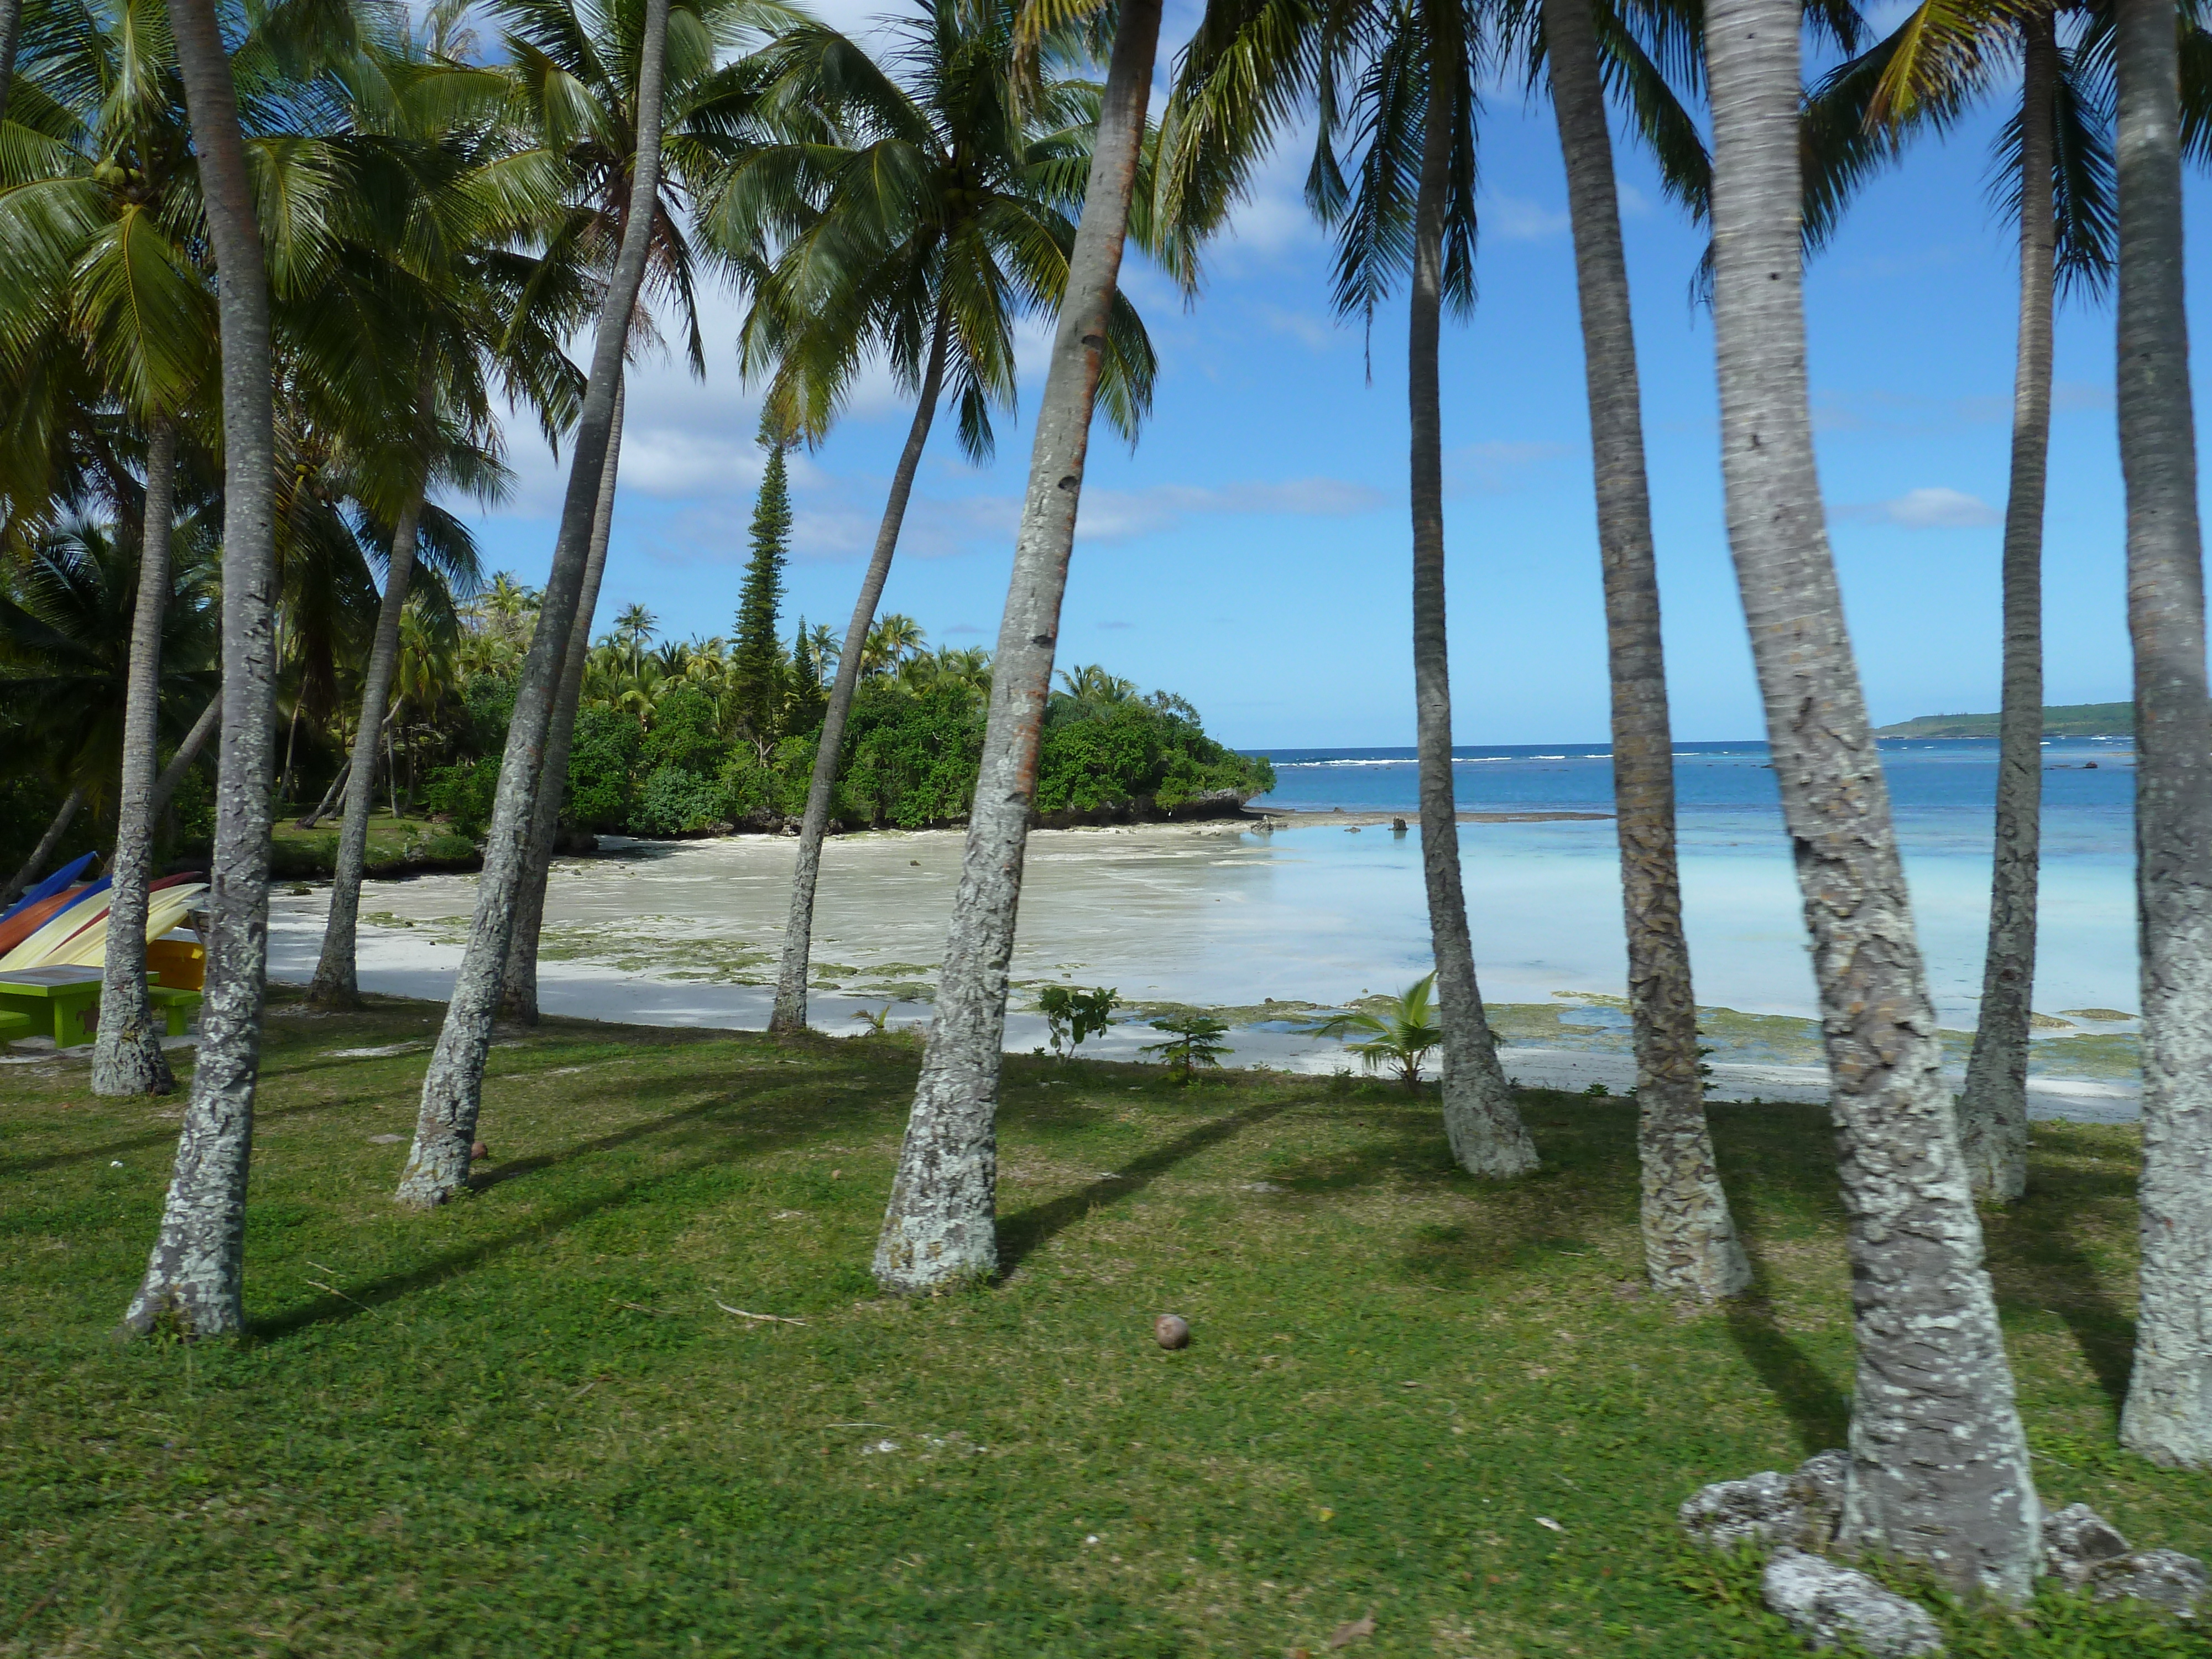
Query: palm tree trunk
point(11, 17)
point(790, 1012)
point(2168, 1415)
point(1480, 1121)
point(438, 1166)
point(56, 828)
point(194, 1279)
point(1939, 1464)
point(187, 752)
point(321, 809)
point(126, 1050)
point(1993, 1109)
point(1690, 1244)
point(940, 1224)
point(519, 987)
point(291, 744)
point(337, 984)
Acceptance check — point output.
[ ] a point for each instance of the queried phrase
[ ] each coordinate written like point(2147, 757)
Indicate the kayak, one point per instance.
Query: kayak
point(24, 921)
point(63, 877)
point(88, 903)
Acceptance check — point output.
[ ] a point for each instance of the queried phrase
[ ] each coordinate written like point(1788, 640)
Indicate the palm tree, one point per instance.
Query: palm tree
point(1401, 1034)
point(1940, 1470)
point(438, 1166)
point(2168, 1415)
point(1402, 74)
point(940, 1226)
point(1690, 1244)
point(195, 1276)
point(926, 213)
point(2054, 164)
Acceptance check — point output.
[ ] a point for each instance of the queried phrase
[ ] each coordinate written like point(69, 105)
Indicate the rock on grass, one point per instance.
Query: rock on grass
point(1829, 1605)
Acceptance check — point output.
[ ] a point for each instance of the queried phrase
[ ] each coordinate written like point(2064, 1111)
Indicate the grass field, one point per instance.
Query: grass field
point(395, 845)
point(523, 1426)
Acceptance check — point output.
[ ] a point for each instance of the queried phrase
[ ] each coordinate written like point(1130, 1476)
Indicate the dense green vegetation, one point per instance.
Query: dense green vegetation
point(2072, 720)
point(524, 1425)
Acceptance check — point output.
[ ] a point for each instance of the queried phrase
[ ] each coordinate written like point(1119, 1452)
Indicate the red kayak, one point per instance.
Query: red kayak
point(27, 921)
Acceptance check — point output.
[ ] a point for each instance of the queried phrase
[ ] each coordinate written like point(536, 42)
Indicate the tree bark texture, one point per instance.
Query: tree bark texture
point(1939, 1464)
point(2168, 1415)
point(518, 984)
point(126, 1050)
point(1993, 1109)
point(940, 1226)
point(1482, 1123)
point(56, 827)
point(452, 1087)
point(194, 1279)
point(1690, 1245)
point(336, 984)
point(790, 1012)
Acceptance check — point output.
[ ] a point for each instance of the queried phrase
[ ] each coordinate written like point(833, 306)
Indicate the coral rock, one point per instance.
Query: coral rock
point(1830, 1605)
point(1171, 1331)
point(1799, 1508)
point(2075, 1540)
point(2163, 1578)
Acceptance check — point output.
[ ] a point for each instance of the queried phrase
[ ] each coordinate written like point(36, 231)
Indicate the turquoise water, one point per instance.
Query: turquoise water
point(1544, 898)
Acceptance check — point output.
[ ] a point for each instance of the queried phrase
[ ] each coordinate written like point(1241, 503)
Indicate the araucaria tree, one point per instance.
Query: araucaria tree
point(756, 664)
point(940, 1225)
point(2168, 1415)
point(1939, 1470)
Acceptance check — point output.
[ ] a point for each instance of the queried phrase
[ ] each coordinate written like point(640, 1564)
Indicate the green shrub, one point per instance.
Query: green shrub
point(600, 761)
point(685, 735)
point(464, 794)
point(675, 802)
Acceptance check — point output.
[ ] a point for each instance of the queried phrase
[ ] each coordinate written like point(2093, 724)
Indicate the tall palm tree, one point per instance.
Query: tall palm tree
point(1690, 1244)
point(438, 1166)
point(923, 210)
point(2054, 165)
point(940, 1226)
point(1940, 1470)
point(2169, 1414)
point(1401, 75)
point(195, 1276)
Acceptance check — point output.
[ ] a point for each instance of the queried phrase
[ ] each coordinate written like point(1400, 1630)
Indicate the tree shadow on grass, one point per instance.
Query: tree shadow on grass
point(1021, 1235)
point(2039, 1260)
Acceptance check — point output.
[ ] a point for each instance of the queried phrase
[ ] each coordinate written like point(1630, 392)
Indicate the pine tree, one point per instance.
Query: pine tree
point(809, 688)
point(757, 665)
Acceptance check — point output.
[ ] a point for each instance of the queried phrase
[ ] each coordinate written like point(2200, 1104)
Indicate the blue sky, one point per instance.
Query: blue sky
point(1252, 553)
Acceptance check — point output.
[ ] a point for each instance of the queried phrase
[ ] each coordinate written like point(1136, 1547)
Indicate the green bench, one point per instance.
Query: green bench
point(13, 1026)
point(61, 1003)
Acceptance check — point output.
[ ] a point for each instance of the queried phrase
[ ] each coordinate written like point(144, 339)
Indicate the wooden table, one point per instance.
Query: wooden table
point(61, 1001)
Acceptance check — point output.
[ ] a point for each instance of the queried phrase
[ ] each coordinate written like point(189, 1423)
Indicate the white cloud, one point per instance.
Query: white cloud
point(1111, 515)
point(1496, 467)
point(1520, 221)
point(1934, 507)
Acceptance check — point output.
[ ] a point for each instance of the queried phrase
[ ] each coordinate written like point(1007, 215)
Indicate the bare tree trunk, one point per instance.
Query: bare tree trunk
point(2168, 1415)
point(790, 1012)
point(1993, 1109)
point(126, 1050)
point(291, 743)
point(1939, 1464)
point(1480, 1122)
point(56, 828)
point(336, 984)
point(187, 752)
point(1690, 1244)
point(194, 1279)
point(940, 1224)
point(519, 990)
point(438, 1166)
point(322, 808)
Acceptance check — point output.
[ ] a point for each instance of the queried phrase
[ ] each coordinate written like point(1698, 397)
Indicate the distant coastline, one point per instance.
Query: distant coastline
point(2073, 720)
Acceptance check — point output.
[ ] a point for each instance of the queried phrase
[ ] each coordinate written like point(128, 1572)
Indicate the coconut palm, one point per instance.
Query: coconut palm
point(1400, 1033)
point(940, 1226)
point(2169, 1414)
point(1940, 1471)
point(438, 1166)
point(2054, 172)
point(927, 212)
point(1398, 74)
point(194, 1278)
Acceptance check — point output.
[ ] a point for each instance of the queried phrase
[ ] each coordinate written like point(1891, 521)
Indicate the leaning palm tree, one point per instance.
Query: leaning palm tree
point(1690, 1244)
point(1939, 1471)
point(940, 1226)
point(924, 207)
point(2054, 170)
point(2169, 1414)
point(195, 1277)
point(438, 1166)
point(1400, 76)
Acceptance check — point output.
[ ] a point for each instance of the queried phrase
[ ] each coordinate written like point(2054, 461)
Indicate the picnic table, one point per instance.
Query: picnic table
point(61, 1002)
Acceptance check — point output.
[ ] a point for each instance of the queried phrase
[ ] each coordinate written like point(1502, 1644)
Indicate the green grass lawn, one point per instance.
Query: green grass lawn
point(523, 1426)
point(394, 845)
